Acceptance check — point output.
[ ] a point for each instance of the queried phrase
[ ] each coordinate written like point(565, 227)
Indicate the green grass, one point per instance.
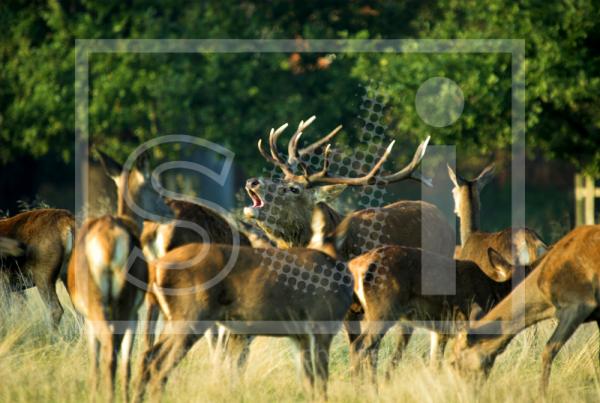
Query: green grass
point(39, 364)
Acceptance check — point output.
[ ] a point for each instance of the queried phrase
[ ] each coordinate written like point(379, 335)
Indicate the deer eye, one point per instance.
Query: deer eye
point(294, 190)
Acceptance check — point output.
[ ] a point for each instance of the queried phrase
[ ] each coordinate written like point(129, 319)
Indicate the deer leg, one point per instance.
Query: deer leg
point(437, 347)
point(306, 363)
point(94, 353)
point(215, 343)
point(238, 349)
point(569, 320)
point(403, 339)
point(371, 340)
point(321, 354)
point(149, 333)
point(126, 344)
point(352, 327)
point(107, 363)
point(173, 346)
point(47, 290)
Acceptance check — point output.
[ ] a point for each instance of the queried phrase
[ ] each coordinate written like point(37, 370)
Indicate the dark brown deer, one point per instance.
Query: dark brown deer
point(48, 236)
point(523, 242)
point(159, 238)
point(564, 285)
point(304, 298)
point(284, 209)
point(101, 290)
point(389, 282)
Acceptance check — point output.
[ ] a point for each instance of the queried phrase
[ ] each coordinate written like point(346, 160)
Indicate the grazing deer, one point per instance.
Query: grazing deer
point(101, 290)
point(284, 209)
point(48, 236)
point(389, 282)
point(304, 298)
point(564, 284)
point(474, 243)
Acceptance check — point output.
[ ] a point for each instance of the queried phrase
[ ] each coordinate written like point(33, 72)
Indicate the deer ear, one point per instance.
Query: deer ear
point(485, 176)
point(142, 163)
point(329, 193)
point(456, 179)
point(111, 167)
point(502, 269)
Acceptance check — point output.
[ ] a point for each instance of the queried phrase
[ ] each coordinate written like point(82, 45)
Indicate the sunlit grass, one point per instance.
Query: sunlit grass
point(40, 364)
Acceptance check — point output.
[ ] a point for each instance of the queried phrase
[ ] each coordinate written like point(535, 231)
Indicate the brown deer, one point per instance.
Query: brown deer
point(298, 293)
point(48, 236)
point(564, 284)
point(474, 243)
point(389, 283)
point(159, 238)
point(284, 209)
point(100, 285)
point(187, 222)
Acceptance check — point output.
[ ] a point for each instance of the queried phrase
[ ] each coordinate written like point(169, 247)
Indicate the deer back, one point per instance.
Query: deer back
point(408, 223)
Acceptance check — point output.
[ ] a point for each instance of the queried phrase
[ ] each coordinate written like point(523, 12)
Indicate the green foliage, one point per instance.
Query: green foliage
point(234, 98)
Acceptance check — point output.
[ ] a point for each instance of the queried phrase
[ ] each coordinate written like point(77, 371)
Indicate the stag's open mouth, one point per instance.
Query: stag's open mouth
point(257, 201)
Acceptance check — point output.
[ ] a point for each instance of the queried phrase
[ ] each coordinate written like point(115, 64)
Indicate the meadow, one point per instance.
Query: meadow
point(41, 364)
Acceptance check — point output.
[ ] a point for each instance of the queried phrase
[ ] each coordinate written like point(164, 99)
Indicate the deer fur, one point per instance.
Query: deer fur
point(524, 243)
point(389, 282)
point(101, 290)
point(564, 284)
point(252, 297)
point(48, 235)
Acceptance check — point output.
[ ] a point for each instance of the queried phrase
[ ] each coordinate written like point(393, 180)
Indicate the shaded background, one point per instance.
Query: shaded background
point(233, 99)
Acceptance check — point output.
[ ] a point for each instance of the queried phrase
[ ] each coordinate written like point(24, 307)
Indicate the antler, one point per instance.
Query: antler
point(408, 172)
point(405, 173)
point(294, 160)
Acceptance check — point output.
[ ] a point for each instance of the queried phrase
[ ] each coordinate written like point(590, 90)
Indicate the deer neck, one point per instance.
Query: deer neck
point(126, 195)
point(523, 307)
point(469, 215)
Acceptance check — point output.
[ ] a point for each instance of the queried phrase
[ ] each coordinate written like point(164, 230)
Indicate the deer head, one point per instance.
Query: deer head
point(467, 205)
point(134, 186)
point(283, 207)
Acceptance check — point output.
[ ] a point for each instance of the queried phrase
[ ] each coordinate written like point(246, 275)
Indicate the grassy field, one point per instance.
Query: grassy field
point(38, 364)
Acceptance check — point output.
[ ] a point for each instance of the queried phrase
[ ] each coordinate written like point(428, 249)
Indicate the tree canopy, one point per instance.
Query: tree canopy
point(234, 98)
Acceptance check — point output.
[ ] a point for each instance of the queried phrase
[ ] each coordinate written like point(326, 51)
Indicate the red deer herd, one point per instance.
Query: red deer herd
point(308, 271)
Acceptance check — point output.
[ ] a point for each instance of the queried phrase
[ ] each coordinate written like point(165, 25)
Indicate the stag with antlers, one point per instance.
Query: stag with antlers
point(284, 210)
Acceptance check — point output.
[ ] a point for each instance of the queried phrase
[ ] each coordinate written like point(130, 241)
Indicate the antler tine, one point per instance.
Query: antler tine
point(360, 181)
point(273, 136)
point(319, 143)
point(270, 158)
point(408, 171)
point(293, 143)
point(323, 172)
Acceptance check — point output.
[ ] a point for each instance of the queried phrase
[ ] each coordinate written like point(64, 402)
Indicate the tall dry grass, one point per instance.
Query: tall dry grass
point(39, 364)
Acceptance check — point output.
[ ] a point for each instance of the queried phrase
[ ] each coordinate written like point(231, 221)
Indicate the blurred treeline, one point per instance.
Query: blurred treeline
point(232, 99)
